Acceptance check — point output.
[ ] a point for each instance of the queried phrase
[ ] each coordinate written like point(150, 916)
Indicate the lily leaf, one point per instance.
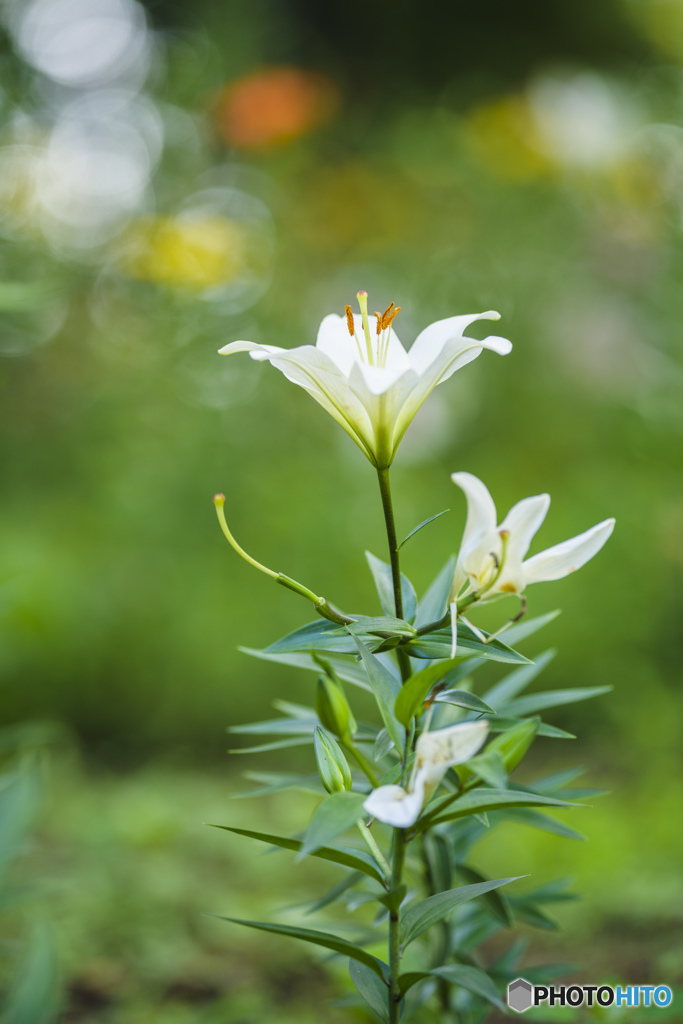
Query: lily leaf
point(333, 816)
point(381, 572)
point(497, 902)
point(320, 635)
point(417, 919)
point(386, 688)
point(325, 939)
point(438, 645)
point(535, 819)
point(346, 668)
point(415, 689)
point(482, 799)
point(275, 782)
point(435, 601)
point(463, 699)
point(358, 860)
point(502, 693)
point(527, 627)
point(420, 526)
point(381, 625)
point(553, 698)
point(374, 992)
point(501, 724)
point(472, 979)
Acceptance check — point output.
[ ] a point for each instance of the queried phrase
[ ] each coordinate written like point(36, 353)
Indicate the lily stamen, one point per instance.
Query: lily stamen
point(351, 325)
point(363, 303)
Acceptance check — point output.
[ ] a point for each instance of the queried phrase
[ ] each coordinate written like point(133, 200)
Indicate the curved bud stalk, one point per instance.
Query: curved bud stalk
point(321, 605)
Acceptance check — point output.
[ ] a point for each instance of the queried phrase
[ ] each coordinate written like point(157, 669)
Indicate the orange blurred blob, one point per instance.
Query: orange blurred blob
point(273, 106)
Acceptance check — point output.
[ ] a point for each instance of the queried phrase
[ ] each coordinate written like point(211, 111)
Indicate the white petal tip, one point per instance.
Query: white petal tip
point(491, 314)
point(500, 345)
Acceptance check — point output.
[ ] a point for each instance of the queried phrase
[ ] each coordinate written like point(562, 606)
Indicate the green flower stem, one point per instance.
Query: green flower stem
point(397, 862)
point(387, 505)
point(362, 761)
point(374, 849)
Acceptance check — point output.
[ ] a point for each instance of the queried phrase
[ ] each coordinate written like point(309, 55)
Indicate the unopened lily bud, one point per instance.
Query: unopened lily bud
point(333, 709)
point(333, 767)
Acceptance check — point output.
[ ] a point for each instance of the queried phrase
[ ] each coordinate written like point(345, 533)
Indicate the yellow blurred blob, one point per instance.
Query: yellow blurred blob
point(193, 253)
point(273, 106)
point(503, 136)
point(661, 21)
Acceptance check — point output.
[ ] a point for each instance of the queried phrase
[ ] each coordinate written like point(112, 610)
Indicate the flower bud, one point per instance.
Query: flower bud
point(333, 709)
point(335, 773)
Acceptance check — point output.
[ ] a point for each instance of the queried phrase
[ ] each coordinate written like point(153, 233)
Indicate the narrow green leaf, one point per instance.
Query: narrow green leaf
point(553, 698)
point(472, 979)
point(420, 526)
point(497, 902)
point(406, 981)
point(358, 860)
point(320, 635)
point(34, 991)
point(325, 939)
point(386, 688)
point(337, 813)
point(276, 782)
point(502, 724)
point(463, 699)
point(490, 768)
point(381, 572)
point(435, 601)
point(383, 744)
point(413, 692)
point(335, 892)
point(535, 819)
point(513, 744)
point(508, 687)
point(536, 916)
point(297, 741)
point(373, 990)
point(481, 799)
point(381, 625)
point(527, 627)
point(346, 668)
point(277, 727)
point(422, 916)
point(438, 645)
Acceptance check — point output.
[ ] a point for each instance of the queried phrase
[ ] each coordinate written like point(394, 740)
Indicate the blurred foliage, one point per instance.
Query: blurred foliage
point(481, 156)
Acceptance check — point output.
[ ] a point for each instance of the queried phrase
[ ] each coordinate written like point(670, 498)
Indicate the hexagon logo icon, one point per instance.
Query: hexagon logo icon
point(520, 995)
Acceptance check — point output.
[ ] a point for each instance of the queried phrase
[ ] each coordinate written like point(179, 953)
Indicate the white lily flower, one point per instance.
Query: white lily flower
point(435, 753)
point(492, 557)
point(361, 374)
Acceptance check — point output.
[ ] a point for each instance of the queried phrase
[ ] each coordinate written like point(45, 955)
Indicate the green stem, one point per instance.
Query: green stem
point(374, 849)
point(397, 862)
point(387, 506)
point(362, 761)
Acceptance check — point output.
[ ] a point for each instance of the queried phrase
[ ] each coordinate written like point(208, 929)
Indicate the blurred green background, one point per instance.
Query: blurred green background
point(174, 177)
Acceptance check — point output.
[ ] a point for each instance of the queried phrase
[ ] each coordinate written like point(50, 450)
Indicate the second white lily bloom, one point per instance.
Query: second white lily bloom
point(435, 753)
point(360, 373)
point(492, 558)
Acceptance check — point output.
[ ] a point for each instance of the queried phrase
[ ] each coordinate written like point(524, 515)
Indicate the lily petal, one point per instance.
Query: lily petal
point(430, 342)
point(393, 806)
point(567, 557)
point(440, 750)
point(521, 523)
